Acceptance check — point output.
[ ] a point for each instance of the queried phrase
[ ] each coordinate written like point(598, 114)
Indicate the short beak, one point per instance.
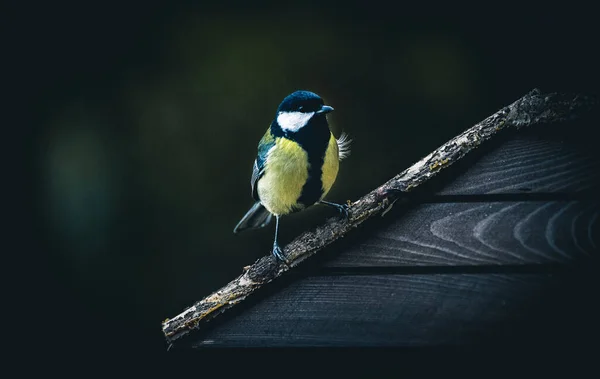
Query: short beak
point(325, 109)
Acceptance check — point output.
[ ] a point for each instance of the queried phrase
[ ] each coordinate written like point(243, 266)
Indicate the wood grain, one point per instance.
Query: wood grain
point(479, 234)
point(531, 163)
point(404, 310)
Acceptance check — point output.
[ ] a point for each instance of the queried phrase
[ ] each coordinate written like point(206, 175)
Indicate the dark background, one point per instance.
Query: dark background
point(140, 124)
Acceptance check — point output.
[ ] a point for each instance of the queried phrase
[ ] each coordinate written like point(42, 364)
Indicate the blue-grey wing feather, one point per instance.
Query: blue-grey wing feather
point(257, 172)
point(258, 169)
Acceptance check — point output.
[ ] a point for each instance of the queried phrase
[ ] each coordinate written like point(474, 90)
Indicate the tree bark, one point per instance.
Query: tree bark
point(533, 108)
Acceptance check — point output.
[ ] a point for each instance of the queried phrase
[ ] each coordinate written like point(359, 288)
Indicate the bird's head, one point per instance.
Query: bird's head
point(298, 108)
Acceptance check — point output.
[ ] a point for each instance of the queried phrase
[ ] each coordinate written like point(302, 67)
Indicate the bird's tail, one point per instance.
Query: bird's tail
point(257, 217)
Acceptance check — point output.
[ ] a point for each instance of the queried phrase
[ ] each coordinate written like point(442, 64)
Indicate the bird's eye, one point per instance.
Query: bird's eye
point(300, 108)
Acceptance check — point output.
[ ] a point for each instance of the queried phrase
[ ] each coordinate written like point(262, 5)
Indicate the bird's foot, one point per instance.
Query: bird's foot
point(278, 253)
point(344, 209)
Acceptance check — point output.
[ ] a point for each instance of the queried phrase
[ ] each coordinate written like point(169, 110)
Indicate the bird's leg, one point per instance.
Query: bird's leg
point(277, 252)
point(342, 208)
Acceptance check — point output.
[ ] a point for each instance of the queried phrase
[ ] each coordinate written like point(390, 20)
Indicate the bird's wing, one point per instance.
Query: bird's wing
point(343, 145)
point(265, 144)
point(256, 174)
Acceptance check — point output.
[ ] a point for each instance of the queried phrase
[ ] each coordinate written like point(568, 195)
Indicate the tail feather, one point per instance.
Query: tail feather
point(257, 217)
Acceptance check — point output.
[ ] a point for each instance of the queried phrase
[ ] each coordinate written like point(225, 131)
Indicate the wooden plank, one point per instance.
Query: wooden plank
point(409, 310)
point(531, 163)
point(479, 234)
point(519, 224)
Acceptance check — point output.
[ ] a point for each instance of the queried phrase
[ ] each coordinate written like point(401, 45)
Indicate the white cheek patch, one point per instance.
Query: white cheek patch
point(293, 121)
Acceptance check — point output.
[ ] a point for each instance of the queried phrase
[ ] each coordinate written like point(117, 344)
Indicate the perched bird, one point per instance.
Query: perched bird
point(297, 163)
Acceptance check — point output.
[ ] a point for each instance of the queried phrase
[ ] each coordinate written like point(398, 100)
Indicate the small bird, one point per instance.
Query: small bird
point(296, 165)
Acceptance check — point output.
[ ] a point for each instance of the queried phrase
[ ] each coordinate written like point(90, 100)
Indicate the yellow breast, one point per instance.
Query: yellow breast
point(331, 165)
point(286, 171)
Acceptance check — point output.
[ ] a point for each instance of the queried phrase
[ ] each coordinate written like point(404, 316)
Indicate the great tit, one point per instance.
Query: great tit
point(296, 165)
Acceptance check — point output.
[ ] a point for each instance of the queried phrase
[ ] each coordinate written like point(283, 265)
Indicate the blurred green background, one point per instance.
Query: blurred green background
point(143, 120)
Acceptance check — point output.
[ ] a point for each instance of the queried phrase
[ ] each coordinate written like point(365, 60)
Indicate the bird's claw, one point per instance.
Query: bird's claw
point(344, 210)
point(278, 253)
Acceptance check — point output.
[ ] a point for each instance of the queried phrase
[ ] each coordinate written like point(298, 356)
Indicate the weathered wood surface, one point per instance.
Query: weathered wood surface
point(531, 199)
point(534, 108)
point(408, 310)
point(480, 233)
point(532, 163)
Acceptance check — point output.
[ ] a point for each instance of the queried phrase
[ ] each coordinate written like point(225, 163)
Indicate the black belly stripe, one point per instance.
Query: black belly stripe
point(313, 188)
point(314, 139)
